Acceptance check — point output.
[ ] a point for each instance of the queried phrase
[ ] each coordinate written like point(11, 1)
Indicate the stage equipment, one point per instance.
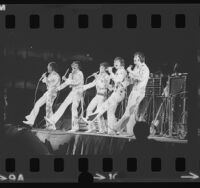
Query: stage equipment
point(178, 105)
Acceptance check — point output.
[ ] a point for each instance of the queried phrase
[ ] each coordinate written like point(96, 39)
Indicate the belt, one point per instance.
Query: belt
point(102, 94)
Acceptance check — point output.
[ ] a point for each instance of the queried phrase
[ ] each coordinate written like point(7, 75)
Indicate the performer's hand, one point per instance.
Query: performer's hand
point(129, 68)
point(110, 87)
point(44, 79)
point(95, 75)
point(58, 88)
point(44, 75)
point(109, 70)
point(64, 78)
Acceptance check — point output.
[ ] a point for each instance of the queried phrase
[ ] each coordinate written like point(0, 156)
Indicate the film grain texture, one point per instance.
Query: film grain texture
point(99, 92)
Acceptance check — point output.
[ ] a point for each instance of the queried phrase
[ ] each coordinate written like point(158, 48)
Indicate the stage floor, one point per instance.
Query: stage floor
point(82, 143)
point(61, 132)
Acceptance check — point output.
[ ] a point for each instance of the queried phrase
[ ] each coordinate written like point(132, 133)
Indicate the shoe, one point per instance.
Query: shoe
point(111, 133)
point(28, 123)
point(102, 132)
point(49, 121)
point(28, 117)
point(92, 117)
point(72, 130)
point(90, 131)
point(120, 132)
point(51, 128)
point(85, 120)
point(128, 135)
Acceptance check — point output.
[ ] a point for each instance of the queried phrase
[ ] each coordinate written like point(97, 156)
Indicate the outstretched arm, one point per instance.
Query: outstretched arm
point(63, 85)
point(90, 85)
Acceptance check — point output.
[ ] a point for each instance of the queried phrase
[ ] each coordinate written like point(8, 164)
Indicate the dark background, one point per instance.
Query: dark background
point(166, 45)
point(26, 52)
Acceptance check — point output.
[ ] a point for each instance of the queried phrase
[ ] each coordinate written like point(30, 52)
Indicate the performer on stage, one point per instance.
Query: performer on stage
point(110, 105)
point(52, 82)
point(101, 82)
point(75, 81)
point(139, 75)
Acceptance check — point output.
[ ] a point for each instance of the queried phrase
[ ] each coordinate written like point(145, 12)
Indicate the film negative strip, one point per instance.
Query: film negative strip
point(99, 92)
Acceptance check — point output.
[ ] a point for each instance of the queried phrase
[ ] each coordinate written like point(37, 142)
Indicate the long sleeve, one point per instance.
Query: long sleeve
point(119, 76)
point(78, 79)
point(64, 85)
point(90, 85)
point(107, 81)
point(141, 75)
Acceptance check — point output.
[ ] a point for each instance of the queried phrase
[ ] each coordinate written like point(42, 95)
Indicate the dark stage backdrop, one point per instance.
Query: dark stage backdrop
point(25, 53)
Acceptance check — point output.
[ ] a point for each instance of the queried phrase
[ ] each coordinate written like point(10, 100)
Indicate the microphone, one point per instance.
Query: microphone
point(43, 75)
point(66, 73)
point(93, 74)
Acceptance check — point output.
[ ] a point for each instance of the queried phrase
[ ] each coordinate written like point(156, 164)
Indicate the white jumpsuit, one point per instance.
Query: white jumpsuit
point(110, 105)
point(52, 82)
point(140, 76)
point(101, 82)
point(76, 81)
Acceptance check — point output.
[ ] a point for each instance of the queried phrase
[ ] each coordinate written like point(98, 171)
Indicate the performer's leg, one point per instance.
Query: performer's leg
point(89, 111)
point(75, 105)
point(133, 113)
point(32, 116)
point(118, 97)
point(111, 116)
point(51, 96)
point(101, 122)
point(92, 105)
point(139, 100)
point(104, 107)
point(130, 125)
point(57, 115)
point(125, 117)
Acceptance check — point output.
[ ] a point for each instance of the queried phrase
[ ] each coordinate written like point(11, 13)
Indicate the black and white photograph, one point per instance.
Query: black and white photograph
point(98, 80)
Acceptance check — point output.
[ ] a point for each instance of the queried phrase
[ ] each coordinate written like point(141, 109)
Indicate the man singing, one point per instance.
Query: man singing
point(52, 82)
point(110, 105)
point(139, 76)
point(102, 83)
point(75, 81)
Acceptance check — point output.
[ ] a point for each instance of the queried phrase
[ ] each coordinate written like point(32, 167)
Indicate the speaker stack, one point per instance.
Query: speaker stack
point(178, 105)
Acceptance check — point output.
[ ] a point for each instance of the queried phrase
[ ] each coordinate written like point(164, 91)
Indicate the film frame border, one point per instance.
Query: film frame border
point(109, 162)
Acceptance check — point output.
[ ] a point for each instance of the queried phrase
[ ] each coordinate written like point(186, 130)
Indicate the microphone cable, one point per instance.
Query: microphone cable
point(36, 92)
point(35, 95)
point(83, 99)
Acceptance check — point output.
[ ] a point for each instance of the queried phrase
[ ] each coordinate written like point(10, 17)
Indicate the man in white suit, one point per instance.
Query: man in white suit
point(75, 81)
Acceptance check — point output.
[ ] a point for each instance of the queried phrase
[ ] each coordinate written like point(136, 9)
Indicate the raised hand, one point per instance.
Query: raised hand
point(129, 68)
point(95, 75)
point(110, 69)
point(64, 78)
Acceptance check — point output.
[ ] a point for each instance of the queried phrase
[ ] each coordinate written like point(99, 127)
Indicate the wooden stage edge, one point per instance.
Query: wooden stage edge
point(57, 133)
